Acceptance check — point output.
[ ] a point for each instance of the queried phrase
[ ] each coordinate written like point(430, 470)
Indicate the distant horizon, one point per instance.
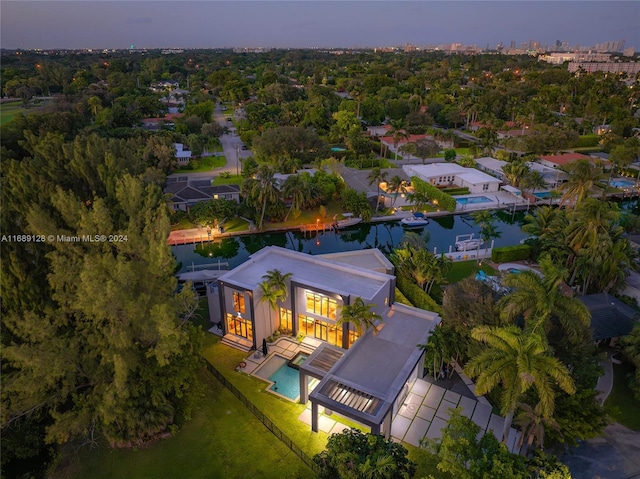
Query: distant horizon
point(98, 25)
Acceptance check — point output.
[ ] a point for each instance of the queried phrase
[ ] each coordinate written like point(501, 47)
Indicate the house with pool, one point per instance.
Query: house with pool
point(364, 378)
point(452, 174)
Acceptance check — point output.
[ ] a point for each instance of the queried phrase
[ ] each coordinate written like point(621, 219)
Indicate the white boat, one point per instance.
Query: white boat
point(347, 222)
point(468, 245)
point(414, 221)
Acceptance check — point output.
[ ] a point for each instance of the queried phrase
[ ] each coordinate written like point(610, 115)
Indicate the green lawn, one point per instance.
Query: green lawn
point(624, 407)
point(307, 217)
point(230, 180)
point(9, 110)
point(206, 163)
point(459, 271)
point(223, 440)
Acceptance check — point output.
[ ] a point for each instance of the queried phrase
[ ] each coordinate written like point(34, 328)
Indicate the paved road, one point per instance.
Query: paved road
point(231, 149)
point(614, 455)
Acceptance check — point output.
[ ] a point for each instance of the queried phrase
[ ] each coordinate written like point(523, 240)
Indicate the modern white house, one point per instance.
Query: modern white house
point(364, 378)
point(452, 174)
point(552, 177)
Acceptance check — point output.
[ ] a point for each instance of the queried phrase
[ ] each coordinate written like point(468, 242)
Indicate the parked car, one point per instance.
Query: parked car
point(245, 147)
point(229, 118)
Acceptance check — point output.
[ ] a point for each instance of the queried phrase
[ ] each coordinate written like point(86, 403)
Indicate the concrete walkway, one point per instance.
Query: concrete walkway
point(425, 412)
point(605, 382)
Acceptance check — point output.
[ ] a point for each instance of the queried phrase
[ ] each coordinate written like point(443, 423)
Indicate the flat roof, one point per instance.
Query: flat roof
point(371, 259)
point(313, 271)
point(491, 163)
point(366, 381)
point(443, 169)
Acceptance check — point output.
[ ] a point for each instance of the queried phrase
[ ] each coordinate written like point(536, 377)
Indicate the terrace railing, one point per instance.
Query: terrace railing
point(275, 430)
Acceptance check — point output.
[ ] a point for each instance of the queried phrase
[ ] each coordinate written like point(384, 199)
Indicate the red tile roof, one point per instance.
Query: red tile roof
point(565, 159)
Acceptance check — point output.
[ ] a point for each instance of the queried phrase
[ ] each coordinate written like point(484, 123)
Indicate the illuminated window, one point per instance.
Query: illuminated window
point(285, 319)
point(321, 305)
point(353, 336)
point(238, 302)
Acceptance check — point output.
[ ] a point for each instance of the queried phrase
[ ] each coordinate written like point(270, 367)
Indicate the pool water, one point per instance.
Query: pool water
point(286, 381)
point(623, 183)
point(474, 200)
point(543, 194)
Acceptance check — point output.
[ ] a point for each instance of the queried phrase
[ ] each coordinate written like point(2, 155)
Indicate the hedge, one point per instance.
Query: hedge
point(401, 298)
point(445, 200)
point(511, 253)
point(416, 295)
point(585, 141)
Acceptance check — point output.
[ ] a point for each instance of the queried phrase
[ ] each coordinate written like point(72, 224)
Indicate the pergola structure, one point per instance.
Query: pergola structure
point(368, 382)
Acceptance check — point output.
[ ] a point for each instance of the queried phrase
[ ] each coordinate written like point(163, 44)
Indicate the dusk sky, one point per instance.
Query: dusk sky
point(204, 24)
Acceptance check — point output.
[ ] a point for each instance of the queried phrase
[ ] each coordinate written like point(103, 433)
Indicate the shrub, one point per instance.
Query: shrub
point(585, 141)
point(511, 253)
point(416, 295)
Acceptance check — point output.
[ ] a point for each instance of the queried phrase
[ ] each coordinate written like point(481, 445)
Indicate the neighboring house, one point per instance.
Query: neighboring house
point(558, 161)
point(182, 156)
point(280, 178)
point(492, 166)
point(364, 378)
point(552, 177)
point(452, 174)
point(610, 317)
point(158, 123)
point(185, 193)
point(164, 86)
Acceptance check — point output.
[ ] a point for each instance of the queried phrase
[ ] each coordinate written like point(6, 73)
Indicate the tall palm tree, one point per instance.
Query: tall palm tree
point(298, 191)
point(273, 289)
point(398, 133)
point(264, 189)
point(542, 303)
point(515, 172)
point(360, 315)
point(518, 361)
point(582, 176)
point(488, 229)
point(377, 176)
point(591, 218)
point(396, 185)
point(534, 181)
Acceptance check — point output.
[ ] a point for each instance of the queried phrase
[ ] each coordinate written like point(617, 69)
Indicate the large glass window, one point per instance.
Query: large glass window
point(321, 305)
point(315, 328)
point(239, 326)
point(238, 302)
point(285, 319)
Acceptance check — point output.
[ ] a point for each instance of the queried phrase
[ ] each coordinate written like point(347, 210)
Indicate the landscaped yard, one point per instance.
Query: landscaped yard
point(624, 407)
point(206, 163)
point(223, 440)
point(9, 110)
point(229, 180)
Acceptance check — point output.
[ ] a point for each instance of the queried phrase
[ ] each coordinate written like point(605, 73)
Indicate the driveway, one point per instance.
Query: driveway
point(614, 455)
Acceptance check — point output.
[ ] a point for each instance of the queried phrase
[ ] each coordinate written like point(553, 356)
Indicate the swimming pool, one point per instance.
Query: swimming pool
point(542, 194)
point(474, 200)
point(285, 377)
point(286, 381)
point(335, 148)
point(623, 183)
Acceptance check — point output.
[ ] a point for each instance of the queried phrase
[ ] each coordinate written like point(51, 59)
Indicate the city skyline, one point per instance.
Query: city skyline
point(312, 24)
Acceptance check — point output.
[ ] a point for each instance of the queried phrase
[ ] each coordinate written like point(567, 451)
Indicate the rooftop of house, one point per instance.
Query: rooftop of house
point(446, 169)
point(313, 271)
point(564, 159)
point(198, 189)
point(491, 163)
point(371, 259)
point(610, 317)
point(374, 370)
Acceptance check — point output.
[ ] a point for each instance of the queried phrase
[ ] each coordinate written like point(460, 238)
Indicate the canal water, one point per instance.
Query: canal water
point(440, 234)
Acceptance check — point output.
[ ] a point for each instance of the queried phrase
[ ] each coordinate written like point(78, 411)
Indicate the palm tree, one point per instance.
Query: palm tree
point(488, 229)
point(542, 303)
point(534, 181)
point(533, 422)
point(488, 139)
point(264, 189)
point(396, 185)
point(518, 361)
point(377, 176)
point(591, 218)
point(360, 315)
point(298, 191)
point(274, 289)
point(398, 133)
point(582, 176)
point(515, 172)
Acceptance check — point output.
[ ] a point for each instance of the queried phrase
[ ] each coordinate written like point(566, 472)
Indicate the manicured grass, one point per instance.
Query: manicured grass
point(223, 440)
point(183, 224)
point(282, 412)
point(307, 217)
point(235, 225)
point(9, 110)
point(624, 407)
point(206, 163)
point(230, 180)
